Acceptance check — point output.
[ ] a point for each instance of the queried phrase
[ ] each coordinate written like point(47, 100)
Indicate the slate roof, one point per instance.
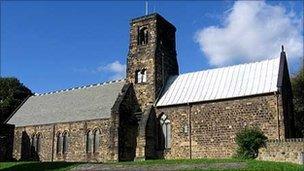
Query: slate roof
point(222, 83)
point(76, 104)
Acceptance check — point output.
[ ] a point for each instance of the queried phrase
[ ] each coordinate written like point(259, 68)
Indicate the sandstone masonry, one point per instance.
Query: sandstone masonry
point(212, 126)
point(290, 150)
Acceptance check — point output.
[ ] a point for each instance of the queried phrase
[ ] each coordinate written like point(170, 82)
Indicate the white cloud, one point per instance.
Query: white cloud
point(116, 69)
point(253, 30)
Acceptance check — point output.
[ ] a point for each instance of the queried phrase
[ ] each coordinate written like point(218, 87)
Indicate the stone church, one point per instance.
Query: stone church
point(155, 112)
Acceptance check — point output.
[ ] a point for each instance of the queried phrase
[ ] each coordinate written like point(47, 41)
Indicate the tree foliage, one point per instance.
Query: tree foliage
point(297, 83)
point(12, 94)
point(249, 140)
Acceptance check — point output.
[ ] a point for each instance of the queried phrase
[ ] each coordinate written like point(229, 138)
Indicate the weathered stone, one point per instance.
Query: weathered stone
point(290, 150)
point(213, 127)
point(76, 144)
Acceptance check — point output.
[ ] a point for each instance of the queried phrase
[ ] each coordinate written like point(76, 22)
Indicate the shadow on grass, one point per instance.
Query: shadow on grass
point(23, 166)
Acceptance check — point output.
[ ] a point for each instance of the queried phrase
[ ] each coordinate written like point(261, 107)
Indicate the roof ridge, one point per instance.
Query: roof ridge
point(80, 87)
point(247, 63)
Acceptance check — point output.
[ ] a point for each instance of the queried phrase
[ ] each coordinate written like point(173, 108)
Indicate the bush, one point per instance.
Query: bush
point(249, 140)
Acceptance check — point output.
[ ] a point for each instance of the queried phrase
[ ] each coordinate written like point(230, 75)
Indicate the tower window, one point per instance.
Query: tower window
point(141, 76)
point(144, 75)
point(143, 36)
point(138, 76)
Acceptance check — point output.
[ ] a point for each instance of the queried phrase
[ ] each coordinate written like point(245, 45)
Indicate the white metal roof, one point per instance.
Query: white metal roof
point(221, 83)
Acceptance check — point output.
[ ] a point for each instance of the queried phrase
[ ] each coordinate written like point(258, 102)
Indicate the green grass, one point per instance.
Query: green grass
point(251, 165)
point(35, 166)
point(254, 165)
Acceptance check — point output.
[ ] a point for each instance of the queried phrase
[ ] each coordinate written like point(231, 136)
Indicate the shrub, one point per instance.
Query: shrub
point(249, 140)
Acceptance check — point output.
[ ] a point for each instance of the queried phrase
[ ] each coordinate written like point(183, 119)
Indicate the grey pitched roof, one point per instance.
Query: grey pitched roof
point(222, 83)
point(77, 104)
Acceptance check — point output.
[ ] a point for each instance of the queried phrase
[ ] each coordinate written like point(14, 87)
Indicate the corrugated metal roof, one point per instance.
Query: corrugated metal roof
point(221, 83)
point(82, 103)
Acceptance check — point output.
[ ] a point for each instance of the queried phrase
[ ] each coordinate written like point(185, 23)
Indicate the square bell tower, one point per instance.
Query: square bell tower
point(152, 56)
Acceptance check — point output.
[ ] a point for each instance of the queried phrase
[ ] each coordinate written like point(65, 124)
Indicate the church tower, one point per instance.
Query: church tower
point(152, 57)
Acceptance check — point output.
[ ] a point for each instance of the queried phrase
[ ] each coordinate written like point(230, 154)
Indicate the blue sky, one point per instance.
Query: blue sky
point(54, 45)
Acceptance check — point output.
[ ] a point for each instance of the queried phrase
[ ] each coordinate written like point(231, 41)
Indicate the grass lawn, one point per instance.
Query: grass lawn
point(251, 165)
point(195, 164)
point(24, 166)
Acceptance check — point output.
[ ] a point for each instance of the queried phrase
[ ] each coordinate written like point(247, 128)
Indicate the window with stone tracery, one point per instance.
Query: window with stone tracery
point(166, 128)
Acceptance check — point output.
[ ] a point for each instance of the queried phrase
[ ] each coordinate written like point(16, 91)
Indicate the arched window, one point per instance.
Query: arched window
point(138, 76)
point(141, 76)
point(96, 140)
point(65, 142)
point(38, 143)
point(34, 142)
point(89, 140)
point(143, 36)
point(166, 128)
point(144, 75)
point(59, 143)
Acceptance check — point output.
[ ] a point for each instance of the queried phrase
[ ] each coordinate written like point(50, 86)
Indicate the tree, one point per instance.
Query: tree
point(249, 140)
point(297, 83)
point(12, 94)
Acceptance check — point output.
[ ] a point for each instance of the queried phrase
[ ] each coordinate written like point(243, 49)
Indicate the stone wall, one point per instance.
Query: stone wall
point(289, 150)
point(76, 141)
point(208, 129)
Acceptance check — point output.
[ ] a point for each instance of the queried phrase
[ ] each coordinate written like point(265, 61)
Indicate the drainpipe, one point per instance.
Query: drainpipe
point(53, 141)
point(190, 131)
point(278, 113)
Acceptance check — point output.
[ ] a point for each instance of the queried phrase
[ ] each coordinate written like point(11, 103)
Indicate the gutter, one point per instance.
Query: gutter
point(278, 114)
point(190, 130)
point(53, 143)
